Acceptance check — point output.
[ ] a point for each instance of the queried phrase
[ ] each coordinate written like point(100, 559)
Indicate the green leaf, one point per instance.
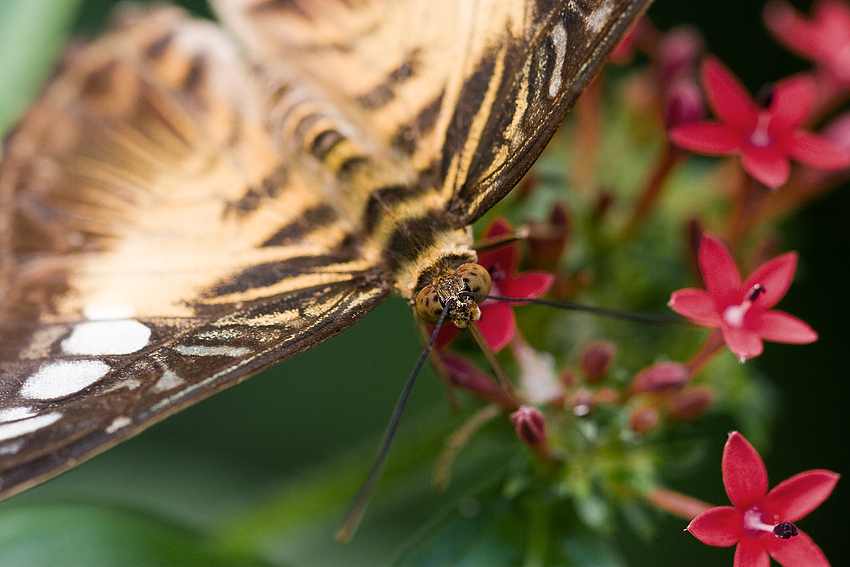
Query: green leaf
point(90, 534)
point(31, 34)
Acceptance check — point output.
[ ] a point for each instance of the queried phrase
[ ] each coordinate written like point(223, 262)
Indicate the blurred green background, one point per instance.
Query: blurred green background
point(276, 435)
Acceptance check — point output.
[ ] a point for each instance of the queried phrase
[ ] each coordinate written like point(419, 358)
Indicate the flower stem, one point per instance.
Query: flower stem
point(651, 190)
point(711, 346)
point(588, 113)
point(458, 440)
point(676, 503)
point(748, 204)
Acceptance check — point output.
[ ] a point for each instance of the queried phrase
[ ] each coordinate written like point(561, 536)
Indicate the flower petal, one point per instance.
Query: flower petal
point(817, 151)
point(751, 553)
point(745, 343)
point(798, 551)
point(697, 305)
point(793, 100)
point(718, 268)
point(499, 227)
point(727, 96)
point(721, 526)
point(500, 262)
point(744, 475)
point(775, 276)
point(497, 324)
point(529, 284)
point(448, 333)
point(790, 27)
point(765, 166)
point(779, 327)
point(792, 499)
point(712, 138)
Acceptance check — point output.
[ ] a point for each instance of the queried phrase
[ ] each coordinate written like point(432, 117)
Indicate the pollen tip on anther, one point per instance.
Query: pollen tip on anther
point(785, 530)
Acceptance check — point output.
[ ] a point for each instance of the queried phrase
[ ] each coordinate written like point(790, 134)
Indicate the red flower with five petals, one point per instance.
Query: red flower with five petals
point(765, 135)
point(824, 38)
point(497, 323)
point(761, 522)
point(742, 310)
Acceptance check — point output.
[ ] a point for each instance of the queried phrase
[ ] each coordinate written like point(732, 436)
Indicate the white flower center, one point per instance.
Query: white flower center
point(760, 137)
point(734, 314)
point(753, 522)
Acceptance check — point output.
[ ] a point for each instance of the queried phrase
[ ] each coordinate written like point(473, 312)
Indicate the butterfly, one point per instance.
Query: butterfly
point(180, 209)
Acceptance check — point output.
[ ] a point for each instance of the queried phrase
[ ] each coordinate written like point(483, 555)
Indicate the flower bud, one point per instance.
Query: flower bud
point(682, 103)
point(596, 359)
point(644, 420)
point(530, 425)
point(692, 403)
point(662, 378)
point(462, 373)
point(678, 54)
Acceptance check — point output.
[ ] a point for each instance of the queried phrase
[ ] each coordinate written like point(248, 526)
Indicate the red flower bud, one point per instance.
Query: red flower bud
point(678, 53)
point(644, 420)
point(596, 359)
point(530, 425)
point(682, 103)
point(692, 403)
point(662, 378)
point(462, 373)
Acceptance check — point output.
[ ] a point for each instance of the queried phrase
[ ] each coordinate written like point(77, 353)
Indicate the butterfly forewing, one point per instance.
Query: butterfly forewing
point(177, 215)
point(139, 272)
point(469, 92)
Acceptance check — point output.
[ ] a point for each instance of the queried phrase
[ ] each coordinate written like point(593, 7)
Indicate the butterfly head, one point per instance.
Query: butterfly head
point(452, 289)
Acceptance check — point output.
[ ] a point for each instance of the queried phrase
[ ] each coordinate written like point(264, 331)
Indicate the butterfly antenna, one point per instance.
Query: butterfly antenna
point(358, 505)
point(570, 306)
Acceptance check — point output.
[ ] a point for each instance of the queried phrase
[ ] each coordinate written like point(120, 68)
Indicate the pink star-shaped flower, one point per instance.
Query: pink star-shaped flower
point(824, 38)
point(762, 522)
point(497, 323)
point(742, 310)
point(766, 135)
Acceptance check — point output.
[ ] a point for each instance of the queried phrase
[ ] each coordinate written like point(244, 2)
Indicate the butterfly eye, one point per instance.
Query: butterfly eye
point(476, 279)
point(428, 304)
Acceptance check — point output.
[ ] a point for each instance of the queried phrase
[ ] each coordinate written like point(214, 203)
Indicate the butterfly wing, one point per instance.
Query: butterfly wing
point(157, 244)
point(469, 92)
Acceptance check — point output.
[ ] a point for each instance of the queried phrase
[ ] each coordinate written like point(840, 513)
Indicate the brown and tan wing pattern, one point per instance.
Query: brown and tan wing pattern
point(156, 244)
point(468, 93)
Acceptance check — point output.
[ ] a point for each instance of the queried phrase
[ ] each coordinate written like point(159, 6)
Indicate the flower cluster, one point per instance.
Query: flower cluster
point(583, 395)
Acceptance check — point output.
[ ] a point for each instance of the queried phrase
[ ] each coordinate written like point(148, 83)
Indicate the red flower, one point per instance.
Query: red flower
point(766, 135)
point(761, 522)
point(742, 310)
point(824, 38)
point(497, 323)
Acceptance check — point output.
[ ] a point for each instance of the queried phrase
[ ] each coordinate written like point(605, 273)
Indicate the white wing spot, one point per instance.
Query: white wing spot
point(14, 414)
point(168, 381)
point(11, 448)
point(18, 428)
point(559, 41)
point(63, 378)
point(197, 350)
point(600, 17)
point(118, 423)
point(107, 337)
